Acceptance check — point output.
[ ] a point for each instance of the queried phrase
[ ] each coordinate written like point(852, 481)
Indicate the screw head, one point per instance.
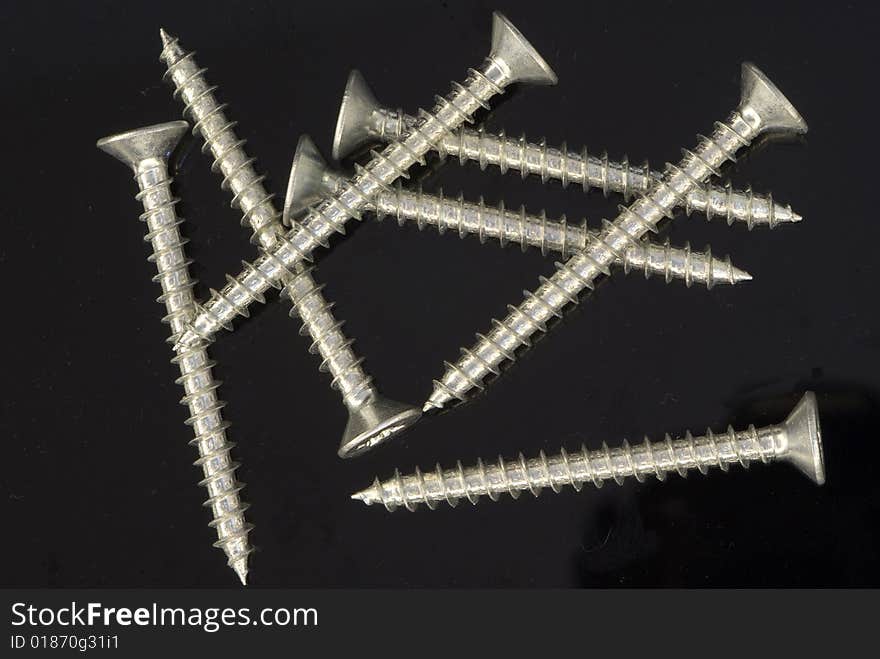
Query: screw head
point(306, 184)
point(135, 146)
point(373, 423)
point(353, 123)
point(805, 439)
point(522, 61)
point(761, 101)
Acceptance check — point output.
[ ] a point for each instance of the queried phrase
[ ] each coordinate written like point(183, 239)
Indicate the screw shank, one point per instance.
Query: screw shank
point(260, 214)
point(331, 216)
point(581, 271)
point(581, 168)
point(167, 243)
point(576, 469)
point(196, 376)
point(528, 230)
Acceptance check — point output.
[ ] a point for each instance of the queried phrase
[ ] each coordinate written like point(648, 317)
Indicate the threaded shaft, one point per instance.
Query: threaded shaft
point(172, 265)
point(260, 214)
point(330, 216)
point(576, 469)
point(328, 340)
point(527, 230)
point(196, 376)
point(579, 272)
point(580, 168)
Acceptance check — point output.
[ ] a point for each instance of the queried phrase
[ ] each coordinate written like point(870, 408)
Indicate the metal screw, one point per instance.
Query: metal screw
point(372, 419)
point(797, 440)
point(147, 151)
point(762, 109)
point(363, 121)
point(311, 180)
point(512, 59)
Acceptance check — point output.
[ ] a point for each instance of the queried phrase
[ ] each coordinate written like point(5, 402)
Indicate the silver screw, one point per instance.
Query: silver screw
point(373, 418)
point(512, 59)
point(762, 109)
point(363, 121)
point(147, 151)
point(311, 180)
point(797, 440)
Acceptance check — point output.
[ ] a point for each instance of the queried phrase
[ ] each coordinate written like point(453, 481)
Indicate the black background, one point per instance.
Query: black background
point(96, 482)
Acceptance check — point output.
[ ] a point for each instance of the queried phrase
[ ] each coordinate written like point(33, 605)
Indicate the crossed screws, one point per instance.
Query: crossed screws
point(320, 202)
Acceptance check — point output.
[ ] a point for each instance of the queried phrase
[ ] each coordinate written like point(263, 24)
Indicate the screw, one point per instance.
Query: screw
point(797, 440)
point(512, 59)
point(763, 109)
point(373, 419)
point(311, 180)
point(363, 121)
point(147, 151)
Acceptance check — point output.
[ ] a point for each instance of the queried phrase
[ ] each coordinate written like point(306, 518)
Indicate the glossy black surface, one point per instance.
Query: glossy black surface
point(96, 482)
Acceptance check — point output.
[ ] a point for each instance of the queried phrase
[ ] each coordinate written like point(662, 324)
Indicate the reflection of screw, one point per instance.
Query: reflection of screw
point(363, 121)
point(311, 180)
point(372, 418)
point(146, 151)
point(797, 441)
point(762, 109)
point(512, 59)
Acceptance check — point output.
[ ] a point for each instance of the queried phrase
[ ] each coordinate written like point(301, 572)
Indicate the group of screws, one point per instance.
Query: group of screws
point(319, 202)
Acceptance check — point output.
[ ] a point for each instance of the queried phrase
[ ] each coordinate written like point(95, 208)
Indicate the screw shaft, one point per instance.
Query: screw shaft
point(581, 168)
point(259, 212)
point(576, 469)
point(477, 219)
point(195, 366)
point(331, 215)
point(579, 272)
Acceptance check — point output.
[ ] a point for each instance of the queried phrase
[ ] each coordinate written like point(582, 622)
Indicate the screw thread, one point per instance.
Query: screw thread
point(576, 469)
point(589, 171)
point(331, 215)
point(260, 214)
point(210, 121)
point(167, 243)
point(580, 271)
point(196, 376)
point(338, 359)
point(527, 230)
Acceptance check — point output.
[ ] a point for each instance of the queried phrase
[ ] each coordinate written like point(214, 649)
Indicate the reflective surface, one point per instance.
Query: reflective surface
point(762, 111)
point(797, 441)
point(311, 179)
point(695, 358)
point(146, 151)
point(362, 122)
point(348, 375)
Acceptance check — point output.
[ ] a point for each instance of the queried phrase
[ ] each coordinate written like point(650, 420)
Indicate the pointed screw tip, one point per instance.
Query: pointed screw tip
point(166, 37)
point(741, 275)
point(241, 569)
point(430, 406)
point(796, 217)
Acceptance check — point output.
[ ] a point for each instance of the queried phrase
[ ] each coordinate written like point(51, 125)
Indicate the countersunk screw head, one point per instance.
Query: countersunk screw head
point(522, 61)
point(146, 151)
point(763, 104)
point(362, 121)
point(305, 186)
point(352, 124)
point(373, 422)
point(135, 146)
point(805, 439)
point(377, 418)
point(796, 441)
